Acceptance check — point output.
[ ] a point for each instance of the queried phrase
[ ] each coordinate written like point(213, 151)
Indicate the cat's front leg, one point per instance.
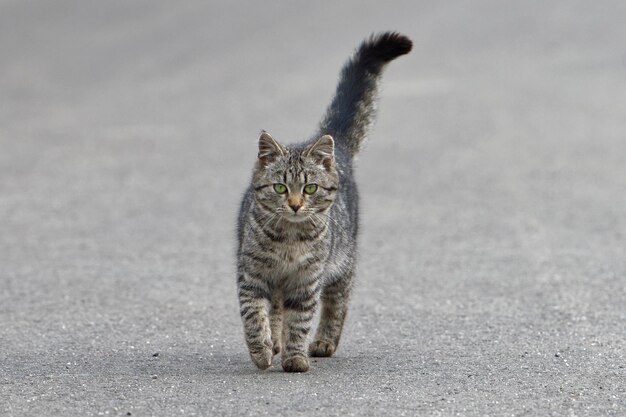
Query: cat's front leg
point(276, 320)
point(299, 308)
point(334, 300)
point(254, 300)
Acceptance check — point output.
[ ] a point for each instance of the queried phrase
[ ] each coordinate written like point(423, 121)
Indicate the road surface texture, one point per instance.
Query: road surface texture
point(492, 271)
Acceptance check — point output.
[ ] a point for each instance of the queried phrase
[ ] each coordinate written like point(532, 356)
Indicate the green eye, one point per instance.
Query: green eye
point(310, 188)
point(280, 188)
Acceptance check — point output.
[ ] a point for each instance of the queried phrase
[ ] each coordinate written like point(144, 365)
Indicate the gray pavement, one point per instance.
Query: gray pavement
point(492, 272)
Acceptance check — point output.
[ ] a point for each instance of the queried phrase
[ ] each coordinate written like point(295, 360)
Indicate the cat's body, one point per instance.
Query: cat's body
point(298, 222)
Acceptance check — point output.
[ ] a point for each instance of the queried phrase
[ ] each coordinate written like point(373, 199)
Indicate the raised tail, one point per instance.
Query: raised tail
point(353, 109)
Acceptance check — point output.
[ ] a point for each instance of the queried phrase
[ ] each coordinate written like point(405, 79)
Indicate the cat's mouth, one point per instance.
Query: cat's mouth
point(296, 217)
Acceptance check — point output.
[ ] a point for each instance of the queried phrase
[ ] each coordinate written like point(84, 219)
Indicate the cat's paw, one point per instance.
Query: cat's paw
point(321, 349)
point(262, 357)
point(276, 349)
point(296, 364)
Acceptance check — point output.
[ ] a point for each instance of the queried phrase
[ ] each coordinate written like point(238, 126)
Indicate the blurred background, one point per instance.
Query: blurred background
point(492, 203)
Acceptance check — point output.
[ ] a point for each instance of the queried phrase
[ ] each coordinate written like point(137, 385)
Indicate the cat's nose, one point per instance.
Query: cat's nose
point(295, 207)
point(295, 202)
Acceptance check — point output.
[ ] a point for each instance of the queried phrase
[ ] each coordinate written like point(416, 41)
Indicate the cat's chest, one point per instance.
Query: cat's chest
point(293, 256)
point(294, 253)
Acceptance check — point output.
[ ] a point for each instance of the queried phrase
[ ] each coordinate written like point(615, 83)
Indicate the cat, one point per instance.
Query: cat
point(298, 222)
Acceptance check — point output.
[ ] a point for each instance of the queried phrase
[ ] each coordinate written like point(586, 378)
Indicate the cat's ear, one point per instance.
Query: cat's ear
point(269, 149)
point(322, 151)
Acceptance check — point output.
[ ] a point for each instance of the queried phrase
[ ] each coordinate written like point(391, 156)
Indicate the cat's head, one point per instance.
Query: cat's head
point(297, 184)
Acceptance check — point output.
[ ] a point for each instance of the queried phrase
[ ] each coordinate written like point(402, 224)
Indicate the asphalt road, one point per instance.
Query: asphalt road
point(492, 272)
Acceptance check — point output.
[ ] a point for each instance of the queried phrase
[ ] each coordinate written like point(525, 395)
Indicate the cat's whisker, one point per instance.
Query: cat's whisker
point(272, 217)
point(335, 222)
point(312, 218)
point(316, 216)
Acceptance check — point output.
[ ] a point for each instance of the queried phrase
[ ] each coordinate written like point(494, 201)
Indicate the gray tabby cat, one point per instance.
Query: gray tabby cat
point(298, 222)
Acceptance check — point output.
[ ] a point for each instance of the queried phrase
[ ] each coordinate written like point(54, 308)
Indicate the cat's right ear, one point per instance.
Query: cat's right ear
point(269, 149)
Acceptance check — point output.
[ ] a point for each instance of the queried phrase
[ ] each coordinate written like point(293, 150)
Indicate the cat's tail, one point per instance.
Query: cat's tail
point(353, 109)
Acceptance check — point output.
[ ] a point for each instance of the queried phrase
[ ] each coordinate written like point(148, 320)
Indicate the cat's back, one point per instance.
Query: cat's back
point(346, 207)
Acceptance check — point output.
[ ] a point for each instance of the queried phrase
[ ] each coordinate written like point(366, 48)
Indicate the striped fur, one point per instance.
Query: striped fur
point(297, 248)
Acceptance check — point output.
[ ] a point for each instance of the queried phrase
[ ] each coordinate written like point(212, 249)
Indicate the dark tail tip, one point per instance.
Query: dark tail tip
point(383, 47)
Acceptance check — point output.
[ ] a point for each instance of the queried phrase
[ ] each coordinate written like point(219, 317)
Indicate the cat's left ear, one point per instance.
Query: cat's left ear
point(322, 151)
